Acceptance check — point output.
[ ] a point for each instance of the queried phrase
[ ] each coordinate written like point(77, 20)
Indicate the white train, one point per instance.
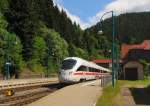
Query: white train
point(75, 69)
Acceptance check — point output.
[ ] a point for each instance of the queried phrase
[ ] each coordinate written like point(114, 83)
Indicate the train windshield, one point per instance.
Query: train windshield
point(68, 64)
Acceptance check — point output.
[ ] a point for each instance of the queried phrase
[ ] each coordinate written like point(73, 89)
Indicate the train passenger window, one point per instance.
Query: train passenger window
point(91, 69)
point(96, 70)
point(68, 64)
point(82, 68)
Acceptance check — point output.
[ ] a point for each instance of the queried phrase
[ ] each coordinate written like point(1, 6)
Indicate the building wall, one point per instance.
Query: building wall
point(135, 64)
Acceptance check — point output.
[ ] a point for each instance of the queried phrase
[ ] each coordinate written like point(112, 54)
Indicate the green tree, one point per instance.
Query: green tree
point(77, 52)
point(3, 22)
point(39, 48)
point(104, 46)
point(23, 20)
point(146, 67)
point(10, 46)
point(90, 42)
point(14, 49)
point(3, 5)
point(57, 46)
point(81, 53)
point(3, 25)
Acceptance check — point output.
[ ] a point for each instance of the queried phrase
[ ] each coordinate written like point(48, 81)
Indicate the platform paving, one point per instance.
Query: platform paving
point(82, 94)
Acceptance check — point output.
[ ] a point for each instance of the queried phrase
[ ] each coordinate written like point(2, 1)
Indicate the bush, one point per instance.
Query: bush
point(35, 67)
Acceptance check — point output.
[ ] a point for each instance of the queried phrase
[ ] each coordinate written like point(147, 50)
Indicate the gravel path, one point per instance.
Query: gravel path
point(83, 94)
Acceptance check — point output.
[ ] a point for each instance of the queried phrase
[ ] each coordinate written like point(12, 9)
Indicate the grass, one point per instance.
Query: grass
point(110, 95)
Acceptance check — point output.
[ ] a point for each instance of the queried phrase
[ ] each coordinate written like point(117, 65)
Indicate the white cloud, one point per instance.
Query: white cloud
point(118, 6)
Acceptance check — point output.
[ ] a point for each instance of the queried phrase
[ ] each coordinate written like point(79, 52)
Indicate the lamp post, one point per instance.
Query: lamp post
point(8, 62)
point(7, 54)
point(113, 45)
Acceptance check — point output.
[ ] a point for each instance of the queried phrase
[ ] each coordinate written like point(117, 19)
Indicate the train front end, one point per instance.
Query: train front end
point(67, 69)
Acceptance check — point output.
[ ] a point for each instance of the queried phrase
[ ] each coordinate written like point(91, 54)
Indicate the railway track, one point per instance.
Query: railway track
point(5, 84)
point(27, 95)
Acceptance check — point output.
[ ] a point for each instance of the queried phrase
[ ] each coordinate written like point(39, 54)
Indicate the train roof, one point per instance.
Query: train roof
point(87, 63)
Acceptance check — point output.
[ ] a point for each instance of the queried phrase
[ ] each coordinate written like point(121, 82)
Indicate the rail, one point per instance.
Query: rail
point(7, 84)
point(26, 76)
point(28, 95)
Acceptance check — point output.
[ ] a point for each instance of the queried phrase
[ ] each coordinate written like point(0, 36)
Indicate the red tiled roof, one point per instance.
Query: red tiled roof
point(126, 48)
point(102, 61)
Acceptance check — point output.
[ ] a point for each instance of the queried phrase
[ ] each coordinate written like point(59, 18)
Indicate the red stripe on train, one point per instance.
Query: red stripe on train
point(86, 73)
point(78, 73)
point(90, 73)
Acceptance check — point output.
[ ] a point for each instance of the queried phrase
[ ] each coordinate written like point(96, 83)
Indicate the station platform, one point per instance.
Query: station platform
point(82, 94)
point(5, 84)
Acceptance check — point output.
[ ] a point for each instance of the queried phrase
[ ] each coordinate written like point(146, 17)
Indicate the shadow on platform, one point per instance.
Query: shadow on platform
point(141, 95)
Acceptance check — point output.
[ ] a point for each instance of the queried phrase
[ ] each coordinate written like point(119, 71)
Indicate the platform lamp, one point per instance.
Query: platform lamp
point(7, 55)
point(113, 45)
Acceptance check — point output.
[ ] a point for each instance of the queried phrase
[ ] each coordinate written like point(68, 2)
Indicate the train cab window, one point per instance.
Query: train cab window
point(68, 64)
point(82, 68)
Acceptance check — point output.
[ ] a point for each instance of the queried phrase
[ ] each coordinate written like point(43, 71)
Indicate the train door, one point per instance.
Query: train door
point(87, 77)
point(82, 72)
point(92, 73)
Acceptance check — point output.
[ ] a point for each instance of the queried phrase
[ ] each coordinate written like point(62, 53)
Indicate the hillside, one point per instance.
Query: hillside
point(130, 27)
point(35, 34)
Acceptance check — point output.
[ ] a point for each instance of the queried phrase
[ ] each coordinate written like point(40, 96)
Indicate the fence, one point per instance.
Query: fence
point(105, 80)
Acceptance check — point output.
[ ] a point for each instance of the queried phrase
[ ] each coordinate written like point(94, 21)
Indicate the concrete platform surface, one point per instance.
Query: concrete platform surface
point(82, 94)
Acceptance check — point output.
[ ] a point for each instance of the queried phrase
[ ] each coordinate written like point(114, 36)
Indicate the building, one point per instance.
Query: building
point(131, 55)
point(107, 63)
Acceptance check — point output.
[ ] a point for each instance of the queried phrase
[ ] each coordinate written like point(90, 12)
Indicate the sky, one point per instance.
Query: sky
point(88, 12)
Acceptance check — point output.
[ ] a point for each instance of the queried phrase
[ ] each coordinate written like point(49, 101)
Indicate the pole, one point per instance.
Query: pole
point(7, 58)
point(8, 72)
point(117, 59)
point(113, 50)
point(113, 46)
point(48, 62)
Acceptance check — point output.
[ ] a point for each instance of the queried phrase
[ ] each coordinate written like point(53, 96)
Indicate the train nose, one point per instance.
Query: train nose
point(64, 76)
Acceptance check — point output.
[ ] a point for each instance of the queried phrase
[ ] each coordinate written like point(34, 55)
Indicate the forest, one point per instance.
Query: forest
point(36, 35)
point(130, 28)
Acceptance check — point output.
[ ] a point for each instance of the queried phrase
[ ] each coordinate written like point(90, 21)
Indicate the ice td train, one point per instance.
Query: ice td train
point(75, 69)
